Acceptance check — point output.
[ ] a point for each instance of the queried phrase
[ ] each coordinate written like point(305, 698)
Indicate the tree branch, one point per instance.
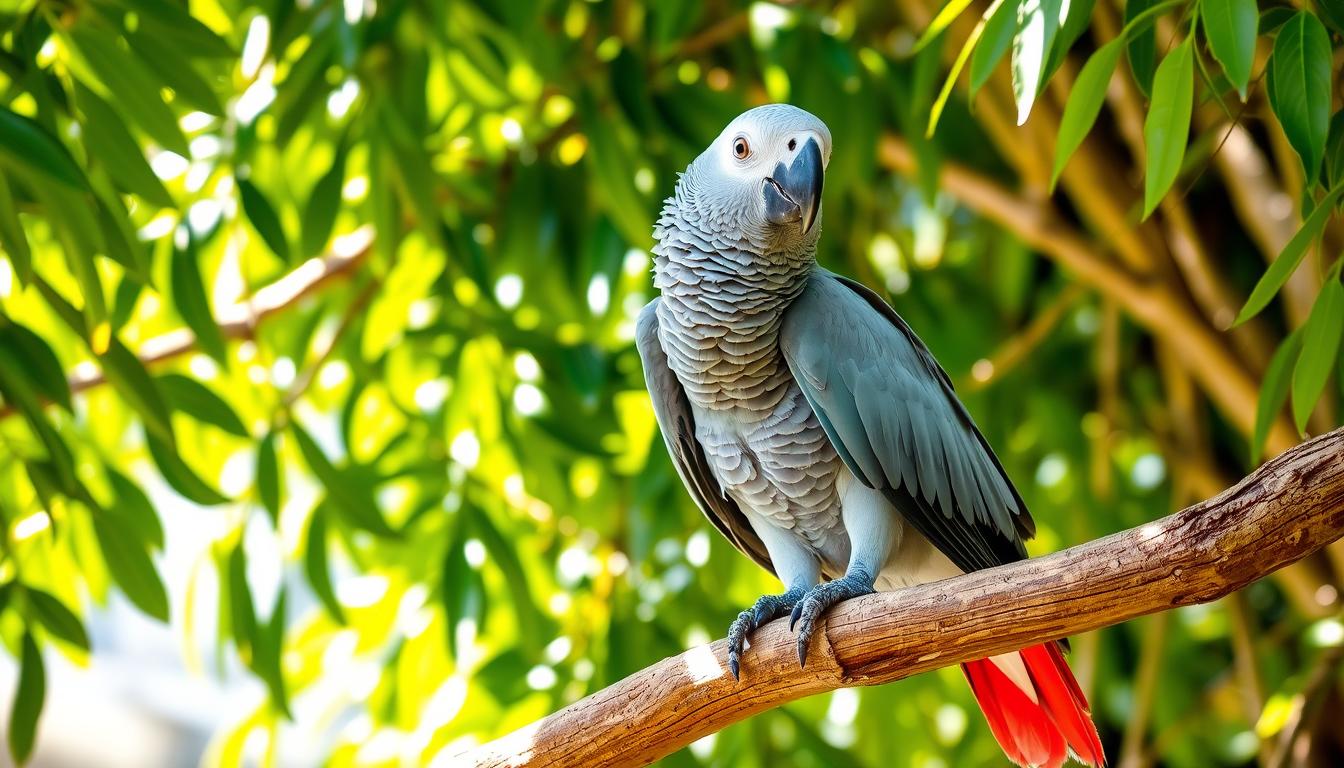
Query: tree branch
point(239, 320)
point(1284, 511)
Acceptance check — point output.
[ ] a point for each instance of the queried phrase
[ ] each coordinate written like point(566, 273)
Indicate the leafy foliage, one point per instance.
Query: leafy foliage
point(357, 282)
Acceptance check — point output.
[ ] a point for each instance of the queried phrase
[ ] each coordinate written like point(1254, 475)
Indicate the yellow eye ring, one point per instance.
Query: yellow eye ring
point(741, 150)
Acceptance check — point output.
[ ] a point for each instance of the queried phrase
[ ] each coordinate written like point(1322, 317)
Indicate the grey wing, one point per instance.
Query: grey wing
point(677, 422)
point(893, 417)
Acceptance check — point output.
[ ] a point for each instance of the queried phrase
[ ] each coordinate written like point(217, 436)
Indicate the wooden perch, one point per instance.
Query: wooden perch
point(1284, 511)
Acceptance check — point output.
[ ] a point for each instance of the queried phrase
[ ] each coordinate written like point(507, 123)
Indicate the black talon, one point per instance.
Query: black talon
point(817, 601)
point(766, 609)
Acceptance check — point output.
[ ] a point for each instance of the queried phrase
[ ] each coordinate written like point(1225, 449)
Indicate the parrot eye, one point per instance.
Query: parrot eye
point(740, 148)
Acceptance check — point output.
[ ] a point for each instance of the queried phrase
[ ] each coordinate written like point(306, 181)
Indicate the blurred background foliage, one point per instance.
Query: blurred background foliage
point(315, 349)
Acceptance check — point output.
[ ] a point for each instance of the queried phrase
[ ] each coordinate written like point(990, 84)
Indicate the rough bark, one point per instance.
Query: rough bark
point(1284, 511)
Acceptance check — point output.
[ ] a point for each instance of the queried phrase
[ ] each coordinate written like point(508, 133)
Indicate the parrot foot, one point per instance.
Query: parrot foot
point(818, 599)
point(766, 609)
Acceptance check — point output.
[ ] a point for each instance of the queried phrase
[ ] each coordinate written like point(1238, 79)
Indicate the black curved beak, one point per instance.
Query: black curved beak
point(793, 194)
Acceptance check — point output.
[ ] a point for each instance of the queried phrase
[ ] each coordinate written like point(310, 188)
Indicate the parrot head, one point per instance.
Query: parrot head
point(766, 171)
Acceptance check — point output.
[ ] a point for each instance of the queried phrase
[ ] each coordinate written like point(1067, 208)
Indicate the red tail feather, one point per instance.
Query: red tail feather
point(1036, 732)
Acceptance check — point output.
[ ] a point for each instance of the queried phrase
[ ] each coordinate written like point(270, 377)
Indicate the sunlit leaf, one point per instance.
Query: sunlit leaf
point(1037, 24)
point(945, 17)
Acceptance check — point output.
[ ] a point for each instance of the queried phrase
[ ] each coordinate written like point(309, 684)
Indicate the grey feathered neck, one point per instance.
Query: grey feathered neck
point(724, 295)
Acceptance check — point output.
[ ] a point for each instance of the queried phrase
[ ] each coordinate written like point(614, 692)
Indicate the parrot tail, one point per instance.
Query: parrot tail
point(1035, 708)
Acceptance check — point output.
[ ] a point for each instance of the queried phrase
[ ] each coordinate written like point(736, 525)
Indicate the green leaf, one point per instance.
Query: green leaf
point(957, 66)
point(1334, 151)
point(128, 561)
point(201, 403)
point(28, 700)
point(132, 506)
point(1085, 101)
point(320, 214)
point(125, 79)
point(172, 22)
point(1288, 259)
point(266, 654)
point(1037, 24)
point(1142, 48)
point(26, 145)
point(39, 363)
point(1077, 18)
point(111, 144)
point(315, 562)
point(1274, 391)
point(264, 218)
point(1167, 127)
point(58, 619)
point(1230, 26)
point(190, 300)
point(994, 43)
point(128, 376)
point(242, 612)
point(946, 16)
point(268, 477)
point(531, 621)
point(1320, 344)
point(181, 477)
point(13, 240)
point(1299, 87)
point(189, 88)
point(353, 499)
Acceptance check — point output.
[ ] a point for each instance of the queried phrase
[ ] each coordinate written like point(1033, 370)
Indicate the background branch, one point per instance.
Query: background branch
point(239, 320)
point(1289, 508)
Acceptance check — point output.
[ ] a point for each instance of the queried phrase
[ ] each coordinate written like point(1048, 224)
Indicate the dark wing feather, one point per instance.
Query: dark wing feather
point(890, 410)
point(677, 422)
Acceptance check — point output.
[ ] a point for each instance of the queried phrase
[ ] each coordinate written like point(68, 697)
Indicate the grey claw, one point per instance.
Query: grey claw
point(766, 609)
point(793, 617)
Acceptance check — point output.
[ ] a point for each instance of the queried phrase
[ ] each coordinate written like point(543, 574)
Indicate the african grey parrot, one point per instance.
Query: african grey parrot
point(816, 431)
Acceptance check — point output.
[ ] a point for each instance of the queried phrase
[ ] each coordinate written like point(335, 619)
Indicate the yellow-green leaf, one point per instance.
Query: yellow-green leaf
point(193, 304)
point(1167, 127)
point(264, 218)
point(59, 620)
point(1085, 101)
point(1288, 259)
point(1320, 344)
point(201, 403)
